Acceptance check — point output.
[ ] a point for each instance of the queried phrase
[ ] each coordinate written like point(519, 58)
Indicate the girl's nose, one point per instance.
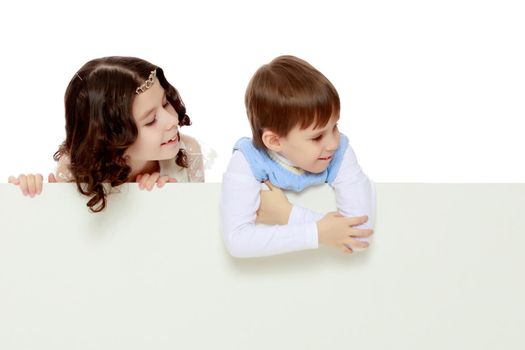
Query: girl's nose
point(171, 120)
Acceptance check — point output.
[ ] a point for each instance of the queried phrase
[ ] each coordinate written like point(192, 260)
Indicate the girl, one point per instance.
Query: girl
point(122, 125)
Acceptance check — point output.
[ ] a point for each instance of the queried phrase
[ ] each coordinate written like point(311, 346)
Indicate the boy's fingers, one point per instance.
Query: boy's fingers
point(269, 184)
point(362, 232)
point(346, 249)
point(272, 187)
point(357, 220)
point(355, 243)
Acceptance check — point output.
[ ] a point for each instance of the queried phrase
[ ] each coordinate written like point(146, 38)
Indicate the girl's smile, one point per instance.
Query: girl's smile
point(173, 141)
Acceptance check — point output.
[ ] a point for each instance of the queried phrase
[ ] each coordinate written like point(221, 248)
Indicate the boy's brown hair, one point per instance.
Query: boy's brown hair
point(288, 92)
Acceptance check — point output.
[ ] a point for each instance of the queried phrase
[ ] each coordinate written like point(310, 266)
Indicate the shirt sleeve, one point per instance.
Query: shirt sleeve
point(302, 215)
point(195, 159)
point(62, 171)
point(240, 201)
point(354, 192)
point(195, 167)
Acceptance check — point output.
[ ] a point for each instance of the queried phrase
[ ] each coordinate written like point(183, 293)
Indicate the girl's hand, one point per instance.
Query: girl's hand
point(275, 208)
point(30, 184)
point(148, 181)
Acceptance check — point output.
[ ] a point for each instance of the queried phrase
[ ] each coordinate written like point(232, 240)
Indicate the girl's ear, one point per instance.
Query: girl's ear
point(271, 140)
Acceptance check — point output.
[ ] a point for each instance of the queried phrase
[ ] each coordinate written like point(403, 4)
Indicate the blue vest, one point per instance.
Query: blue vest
point(265, 168)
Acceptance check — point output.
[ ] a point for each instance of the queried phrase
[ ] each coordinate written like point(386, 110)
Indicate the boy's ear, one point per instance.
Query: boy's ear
point(271, 140)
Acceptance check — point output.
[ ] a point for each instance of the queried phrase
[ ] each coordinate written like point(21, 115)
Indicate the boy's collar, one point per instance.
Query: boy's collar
point(285, 163)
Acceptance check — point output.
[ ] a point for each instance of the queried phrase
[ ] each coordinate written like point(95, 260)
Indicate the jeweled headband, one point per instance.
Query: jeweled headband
point(148, 83)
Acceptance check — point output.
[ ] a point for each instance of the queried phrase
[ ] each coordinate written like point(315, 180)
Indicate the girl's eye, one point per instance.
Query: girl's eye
point(166, 104)
point(152, 122)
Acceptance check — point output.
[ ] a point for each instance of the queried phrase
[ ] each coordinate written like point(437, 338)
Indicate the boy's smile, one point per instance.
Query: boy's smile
point(310, 149)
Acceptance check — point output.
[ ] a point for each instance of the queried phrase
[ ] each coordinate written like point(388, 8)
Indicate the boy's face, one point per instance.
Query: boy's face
point(310, 149)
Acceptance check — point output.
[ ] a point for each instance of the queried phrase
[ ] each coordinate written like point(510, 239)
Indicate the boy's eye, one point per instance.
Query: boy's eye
point(318, 138)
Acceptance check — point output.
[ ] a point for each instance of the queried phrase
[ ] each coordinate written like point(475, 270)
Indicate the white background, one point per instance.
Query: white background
point(431, 91)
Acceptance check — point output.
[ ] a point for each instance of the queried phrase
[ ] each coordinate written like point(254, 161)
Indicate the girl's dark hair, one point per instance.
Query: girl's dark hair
point(100, 125)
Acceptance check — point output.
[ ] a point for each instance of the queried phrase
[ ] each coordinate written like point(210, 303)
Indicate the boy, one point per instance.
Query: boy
point(293, 111)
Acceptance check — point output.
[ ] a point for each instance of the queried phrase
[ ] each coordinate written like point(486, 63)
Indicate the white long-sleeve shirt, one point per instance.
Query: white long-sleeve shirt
point(240, 200)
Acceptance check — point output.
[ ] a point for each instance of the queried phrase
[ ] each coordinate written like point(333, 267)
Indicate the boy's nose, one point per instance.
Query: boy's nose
point(332, 144)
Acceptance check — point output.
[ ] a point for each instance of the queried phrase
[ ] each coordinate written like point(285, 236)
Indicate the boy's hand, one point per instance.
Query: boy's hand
point(148, 181)
point(274, 208)
point(30, 184)
point(337, 230)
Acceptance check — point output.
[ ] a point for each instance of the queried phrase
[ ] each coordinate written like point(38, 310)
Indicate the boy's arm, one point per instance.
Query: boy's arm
point(240, 201)
point(303, 215)
point(354, 192)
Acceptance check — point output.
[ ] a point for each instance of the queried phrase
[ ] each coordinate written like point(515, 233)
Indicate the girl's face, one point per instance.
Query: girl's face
point(157, 123)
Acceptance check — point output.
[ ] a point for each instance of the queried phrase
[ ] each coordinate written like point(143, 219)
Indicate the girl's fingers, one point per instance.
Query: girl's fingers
point(51, 178)
point(13, 180)
point(31, 185)
point(143, 180)
point(162, 181)
point(168, 180)
point(38, 183)
point(23, 184)
point(148, 181)
point(152, 180)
